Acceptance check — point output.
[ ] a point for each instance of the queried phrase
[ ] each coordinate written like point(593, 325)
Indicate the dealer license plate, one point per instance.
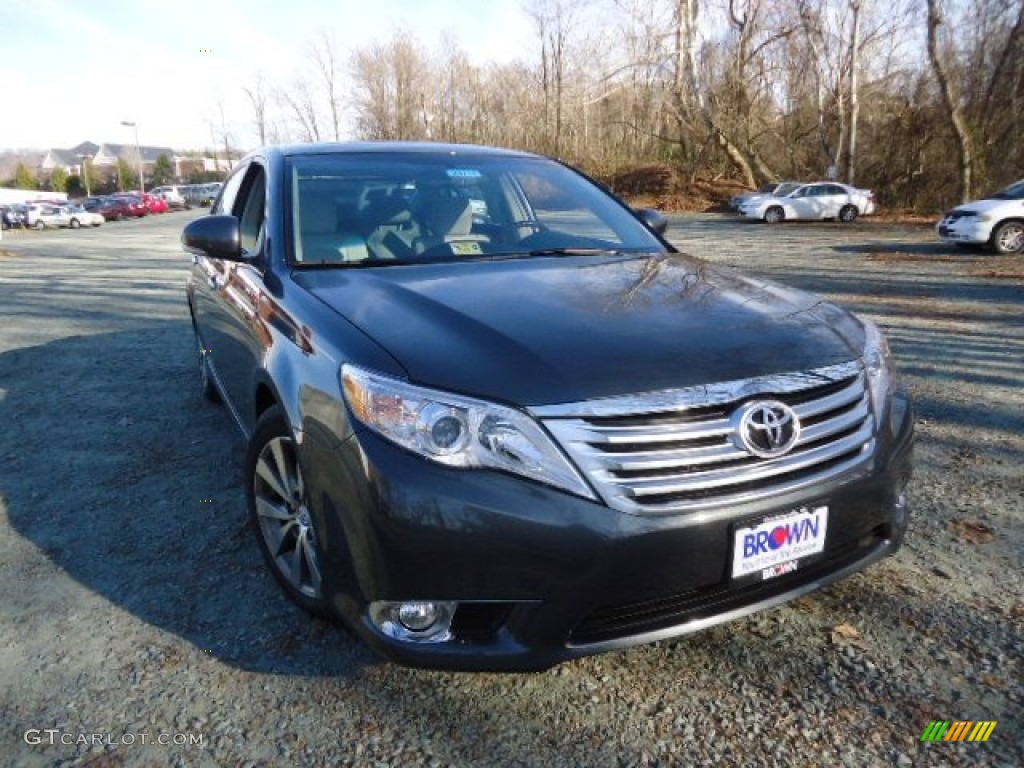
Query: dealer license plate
point(772, 547)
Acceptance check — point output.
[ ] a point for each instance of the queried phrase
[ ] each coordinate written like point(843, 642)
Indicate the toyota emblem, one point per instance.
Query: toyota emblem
point(767, 428)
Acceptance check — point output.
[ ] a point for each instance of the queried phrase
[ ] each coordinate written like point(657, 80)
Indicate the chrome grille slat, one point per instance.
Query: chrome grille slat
point(645, 457)
point(843, 397)
point(717, 478)
point(849, 469)
point(836, 424)
point(656, 459)
point(726, 451)
point(657, 433)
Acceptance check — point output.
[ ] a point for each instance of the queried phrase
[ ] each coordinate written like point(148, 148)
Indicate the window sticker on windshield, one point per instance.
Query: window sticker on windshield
point(465, 249)
point(463, 173)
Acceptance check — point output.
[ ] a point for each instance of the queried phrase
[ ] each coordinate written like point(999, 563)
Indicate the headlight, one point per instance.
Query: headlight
point(458, 431)
point(979, 217)
point(879, 366)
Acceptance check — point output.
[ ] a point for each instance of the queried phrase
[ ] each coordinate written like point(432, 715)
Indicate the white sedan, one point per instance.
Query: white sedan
point(79, 217)
point(821, 200)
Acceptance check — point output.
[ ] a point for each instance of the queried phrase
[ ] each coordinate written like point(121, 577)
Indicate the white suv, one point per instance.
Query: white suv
point(997, 221)
point(173, 195)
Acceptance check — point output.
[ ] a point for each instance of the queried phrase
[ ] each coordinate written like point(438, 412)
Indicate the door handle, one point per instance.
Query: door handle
point(214, 282)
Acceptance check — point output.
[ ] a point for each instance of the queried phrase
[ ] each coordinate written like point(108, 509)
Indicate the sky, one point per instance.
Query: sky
point(74, 70)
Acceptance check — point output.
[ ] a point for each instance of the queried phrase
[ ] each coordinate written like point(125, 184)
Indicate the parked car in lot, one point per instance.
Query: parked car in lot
point(47, 215)
point(173, 196)
point(777, 188)
point(111, 208)
point(200, 195)
point(506, 438)
point(153, 203)
point(820, 200)
point(996, 221)
point(13, 216)
point(78, 216)
point(134, 205)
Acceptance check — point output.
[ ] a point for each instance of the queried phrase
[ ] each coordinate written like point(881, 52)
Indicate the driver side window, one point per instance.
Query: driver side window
point(226, 202)
point(250, 210)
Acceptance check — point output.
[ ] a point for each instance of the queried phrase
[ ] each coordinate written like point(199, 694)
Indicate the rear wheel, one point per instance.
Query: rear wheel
point(74, 224)
point(280, 514)
point(848, 213)
point(1009, 237)
point(774, 215)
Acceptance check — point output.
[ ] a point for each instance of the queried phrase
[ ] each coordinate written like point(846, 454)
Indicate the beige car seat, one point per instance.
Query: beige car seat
point(445, 220)
point(390, 228)
point(321, 238)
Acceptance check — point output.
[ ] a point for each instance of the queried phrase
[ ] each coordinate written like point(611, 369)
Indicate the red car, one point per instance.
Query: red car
point(154, 203)
point(112, 208)
point(136, 207)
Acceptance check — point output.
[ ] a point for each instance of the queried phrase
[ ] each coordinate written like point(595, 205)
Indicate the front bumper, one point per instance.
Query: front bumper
point(967, 231)
point(542, 576)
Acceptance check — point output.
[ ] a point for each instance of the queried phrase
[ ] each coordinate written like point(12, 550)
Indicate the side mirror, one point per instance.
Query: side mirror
point(215, 236)
point(653, 220)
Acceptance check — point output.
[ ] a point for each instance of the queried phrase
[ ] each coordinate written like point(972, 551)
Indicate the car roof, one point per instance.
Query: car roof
point(388, 147)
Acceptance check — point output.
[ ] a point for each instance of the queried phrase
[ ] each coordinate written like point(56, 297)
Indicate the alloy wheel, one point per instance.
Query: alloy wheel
point(285, 522)
point(1010, 238)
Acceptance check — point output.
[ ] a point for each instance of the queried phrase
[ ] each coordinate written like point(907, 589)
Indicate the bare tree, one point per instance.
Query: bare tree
point(950, 99)
point(555, 21)
point(322, 52)
point(257, 95)
point(392, 83)
point(299, 100)
point(851, 152)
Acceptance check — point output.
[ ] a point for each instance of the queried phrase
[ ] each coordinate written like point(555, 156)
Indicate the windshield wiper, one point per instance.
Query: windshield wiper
point(574, 252)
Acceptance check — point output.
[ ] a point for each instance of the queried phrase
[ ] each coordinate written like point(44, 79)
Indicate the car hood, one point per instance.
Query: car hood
point(555, 330)
point(989, 204)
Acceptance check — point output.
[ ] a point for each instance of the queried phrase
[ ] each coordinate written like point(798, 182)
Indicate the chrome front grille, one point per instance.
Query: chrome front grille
point(680, 451)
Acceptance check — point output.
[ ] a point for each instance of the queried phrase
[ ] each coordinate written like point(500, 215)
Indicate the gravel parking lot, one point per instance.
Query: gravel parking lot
point(140, 628)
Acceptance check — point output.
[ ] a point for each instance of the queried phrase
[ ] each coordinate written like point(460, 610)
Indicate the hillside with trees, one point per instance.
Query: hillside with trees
point(921, 100)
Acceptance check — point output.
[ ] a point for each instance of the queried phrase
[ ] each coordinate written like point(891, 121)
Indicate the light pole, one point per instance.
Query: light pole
point(138, 150)
point(85, 174)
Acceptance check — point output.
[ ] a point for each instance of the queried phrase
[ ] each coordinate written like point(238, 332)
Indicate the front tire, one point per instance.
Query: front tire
point(280, 514)
point(774, 215)
point(1008, 237)
point(74, 224)
point(39, 225)
point(848, 213)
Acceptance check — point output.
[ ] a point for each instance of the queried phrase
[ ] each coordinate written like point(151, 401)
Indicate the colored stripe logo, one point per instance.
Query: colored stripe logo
point(959, 730)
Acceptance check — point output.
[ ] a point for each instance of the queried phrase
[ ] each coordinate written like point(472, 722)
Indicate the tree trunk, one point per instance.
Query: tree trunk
point(735, 155)
point(949, 97)
point(851, 153)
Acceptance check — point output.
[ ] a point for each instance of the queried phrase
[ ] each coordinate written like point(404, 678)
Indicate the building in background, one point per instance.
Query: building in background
point(103, 160)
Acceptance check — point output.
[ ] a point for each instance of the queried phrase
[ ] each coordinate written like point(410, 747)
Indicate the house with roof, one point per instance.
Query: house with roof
point(104, 158)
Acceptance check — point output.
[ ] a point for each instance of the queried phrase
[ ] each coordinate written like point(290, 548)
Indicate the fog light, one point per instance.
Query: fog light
point(419, 621)
point(418, 617)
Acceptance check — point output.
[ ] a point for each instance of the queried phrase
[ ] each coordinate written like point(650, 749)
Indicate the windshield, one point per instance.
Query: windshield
point(381, 209)
point(1013, 192)
point(785, 188)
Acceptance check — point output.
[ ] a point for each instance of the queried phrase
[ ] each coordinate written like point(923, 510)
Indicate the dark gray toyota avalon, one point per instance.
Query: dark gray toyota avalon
point(495, 421)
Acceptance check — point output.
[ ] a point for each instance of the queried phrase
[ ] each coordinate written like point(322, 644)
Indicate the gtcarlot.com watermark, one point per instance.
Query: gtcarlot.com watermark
point(56, 737)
